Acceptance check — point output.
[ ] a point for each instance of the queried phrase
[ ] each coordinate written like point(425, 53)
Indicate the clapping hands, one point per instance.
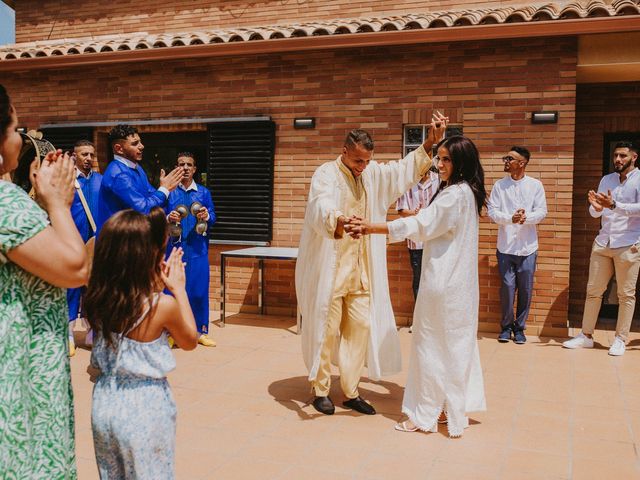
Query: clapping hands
point(53, 181)
point(172, 272)
point(600, 201)
point(519, 217)
point(172, 179)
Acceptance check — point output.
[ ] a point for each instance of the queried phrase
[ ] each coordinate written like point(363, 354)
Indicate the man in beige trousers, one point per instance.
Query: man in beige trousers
point(342, 283)
point(616, 248)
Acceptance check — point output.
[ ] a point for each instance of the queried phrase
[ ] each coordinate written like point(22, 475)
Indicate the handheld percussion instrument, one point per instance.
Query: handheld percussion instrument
point(34, 149)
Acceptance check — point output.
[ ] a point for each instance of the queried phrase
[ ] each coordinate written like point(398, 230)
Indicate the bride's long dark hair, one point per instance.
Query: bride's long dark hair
point(466, 167)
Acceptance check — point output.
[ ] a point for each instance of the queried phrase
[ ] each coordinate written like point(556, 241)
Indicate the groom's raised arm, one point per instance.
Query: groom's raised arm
point(392, 179)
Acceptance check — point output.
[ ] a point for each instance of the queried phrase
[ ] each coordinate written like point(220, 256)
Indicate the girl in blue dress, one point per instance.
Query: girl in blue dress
point(133, 416)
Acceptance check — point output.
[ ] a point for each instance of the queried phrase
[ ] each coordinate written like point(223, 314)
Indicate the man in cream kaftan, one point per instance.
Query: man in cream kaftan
point(341, 283)
point(444, 366)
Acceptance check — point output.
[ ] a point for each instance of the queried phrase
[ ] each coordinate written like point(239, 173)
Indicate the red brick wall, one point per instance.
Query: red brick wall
point(600, 109)
point(36, 20)
point(491, 87)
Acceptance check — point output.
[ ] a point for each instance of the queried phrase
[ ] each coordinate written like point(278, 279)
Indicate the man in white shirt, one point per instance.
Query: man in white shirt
point(517, 204)
point(615, 249)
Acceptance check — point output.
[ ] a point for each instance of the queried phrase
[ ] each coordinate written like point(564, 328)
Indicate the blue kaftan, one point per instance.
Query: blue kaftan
point(126, 187)
point(90, 187)
point(196, 249)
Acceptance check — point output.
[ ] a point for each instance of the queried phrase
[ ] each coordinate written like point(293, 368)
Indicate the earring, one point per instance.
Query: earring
point(1, 161)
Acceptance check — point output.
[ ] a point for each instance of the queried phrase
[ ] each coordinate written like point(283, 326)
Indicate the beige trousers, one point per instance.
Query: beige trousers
point(349, 315)
point(605, 261)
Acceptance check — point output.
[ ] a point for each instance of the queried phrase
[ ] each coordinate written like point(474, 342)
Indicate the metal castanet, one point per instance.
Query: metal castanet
point(175, 230)
point(34, 149)
point(201, 228)
point(182, 210)
point(195, 208)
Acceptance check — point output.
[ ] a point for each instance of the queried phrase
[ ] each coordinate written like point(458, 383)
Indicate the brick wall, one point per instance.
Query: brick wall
point(491, 87)
point(37, 20)
point(600, 109)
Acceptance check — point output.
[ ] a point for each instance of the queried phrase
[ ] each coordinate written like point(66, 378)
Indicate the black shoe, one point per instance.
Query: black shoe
point(505, 335)
point(359, 405)
point(324, 405)
point(519, 338)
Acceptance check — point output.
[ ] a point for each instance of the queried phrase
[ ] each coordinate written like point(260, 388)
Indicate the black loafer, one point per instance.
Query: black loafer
point(324, 405)
point(359, 405)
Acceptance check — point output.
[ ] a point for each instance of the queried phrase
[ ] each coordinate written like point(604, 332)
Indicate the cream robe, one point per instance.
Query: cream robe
point(444, 366)
point(317, 254)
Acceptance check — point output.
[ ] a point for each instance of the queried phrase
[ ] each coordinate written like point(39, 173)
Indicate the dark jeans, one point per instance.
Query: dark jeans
point(517, 273)
point(415, 256)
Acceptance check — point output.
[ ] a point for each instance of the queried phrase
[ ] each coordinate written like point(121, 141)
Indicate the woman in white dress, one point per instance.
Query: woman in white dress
point(445, 377)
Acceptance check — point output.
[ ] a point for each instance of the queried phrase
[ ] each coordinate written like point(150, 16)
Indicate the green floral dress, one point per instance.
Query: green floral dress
point(36, 400)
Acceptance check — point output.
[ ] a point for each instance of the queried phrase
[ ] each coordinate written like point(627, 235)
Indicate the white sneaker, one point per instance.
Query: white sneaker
point(579, 341)
point(617, 348)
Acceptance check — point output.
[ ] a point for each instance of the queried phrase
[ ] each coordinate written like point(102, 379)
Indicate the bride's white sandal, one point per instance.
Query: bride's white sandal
point(403, 427)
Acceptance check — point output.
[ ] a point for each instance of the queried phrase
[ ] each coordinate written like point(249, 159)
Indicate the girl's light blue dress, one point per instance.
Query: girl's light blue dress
point(133, 415)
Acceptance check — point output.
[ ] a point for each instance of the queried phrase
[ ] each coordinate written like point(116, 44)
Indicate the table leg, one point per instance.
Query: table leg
point(260, 285)
point(222, 289)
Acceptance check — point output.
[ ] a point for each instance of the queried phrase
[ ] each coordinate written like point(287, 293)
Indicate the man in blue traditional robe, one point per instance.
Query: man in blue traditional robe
point(125, 183)
point(89, 182)
point(194, 240)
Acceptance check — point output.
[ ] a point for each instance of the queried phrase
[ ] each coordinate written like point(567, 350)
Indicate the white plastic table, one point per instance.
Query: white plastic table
point(261, 254)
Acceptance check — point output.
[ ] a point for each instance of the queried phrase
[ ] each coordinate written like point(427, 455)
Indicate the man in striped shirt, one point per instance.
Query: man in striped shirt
point(410, 204)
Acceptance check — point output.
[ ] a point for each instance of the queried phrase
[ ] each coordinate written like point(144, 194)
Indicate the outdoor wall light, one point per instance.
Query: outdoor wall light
point(308, 122)
point(544, 117)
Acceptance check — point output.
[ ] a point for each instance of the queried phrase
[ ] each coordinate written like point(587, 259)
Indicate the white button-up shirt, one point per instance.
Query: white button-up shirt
point(509, 195)
point(619, 227)
point(192, 186)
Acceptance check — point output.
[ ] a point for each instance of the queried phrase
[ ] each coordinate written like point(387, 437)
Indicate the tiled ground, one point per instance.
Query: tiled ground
point(242, 414)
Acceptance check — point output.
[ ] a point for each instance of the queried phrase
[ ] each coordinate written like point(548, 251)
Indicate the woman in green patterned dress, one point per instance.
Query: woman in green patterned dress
point(41, 254)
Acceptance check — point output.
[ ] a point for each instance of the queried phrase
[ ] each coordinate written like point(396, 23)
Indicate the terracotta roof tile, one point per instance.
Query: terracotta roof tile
point(416, 21)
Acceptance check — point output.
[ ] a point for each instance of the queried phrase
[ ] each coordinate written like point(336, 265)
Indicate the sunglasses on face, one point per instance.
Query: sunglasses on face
point(508, 158)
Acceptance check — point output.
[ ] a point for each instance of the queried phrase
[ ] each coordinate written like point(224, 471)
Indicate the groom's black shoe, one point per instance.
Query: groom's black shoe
point(359, 405)
point(324, 405)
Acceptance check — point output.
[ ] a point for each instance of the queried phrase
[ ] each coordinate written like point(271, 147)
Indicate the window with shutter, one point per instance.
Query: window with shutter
point(240, 178)
point(414, 135)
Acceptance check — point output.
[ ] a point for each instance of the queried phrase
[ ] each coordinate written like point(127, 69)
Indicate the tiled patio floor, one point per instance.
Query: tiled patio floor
point(242, 414)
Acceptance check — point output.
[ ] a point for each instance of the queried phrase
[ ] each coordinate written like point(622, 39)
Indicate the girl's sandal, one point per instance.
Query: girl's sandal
point(403, 427)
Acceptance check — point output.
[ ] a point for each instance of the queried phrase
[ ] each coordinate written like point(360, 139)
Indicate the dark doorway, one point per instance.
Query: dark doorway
point(161, 151)
point(609, 308)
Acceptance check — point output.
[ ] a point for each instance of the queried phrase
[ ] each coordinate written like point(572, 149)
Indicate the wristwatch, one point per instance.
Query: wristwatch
point(613, 205)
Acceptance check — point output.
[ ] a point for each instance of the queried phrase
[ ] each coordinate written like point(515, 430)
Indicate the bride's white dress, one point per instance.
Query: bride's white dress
point(444, 366)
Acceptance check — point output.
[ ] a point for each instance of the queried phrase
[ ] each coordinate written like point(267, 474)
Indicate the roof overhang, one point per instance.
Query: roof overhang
point(567, 27)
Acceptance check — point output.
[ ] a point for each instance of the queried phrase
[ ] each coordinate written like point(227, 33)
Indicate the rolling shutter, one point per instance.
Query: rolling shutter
point(240, 179)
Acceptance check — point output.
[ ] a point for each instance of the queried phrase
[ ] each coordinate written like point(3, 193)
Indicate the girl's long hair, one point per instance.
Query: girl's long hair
point(126, 270)
point(466, 167)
